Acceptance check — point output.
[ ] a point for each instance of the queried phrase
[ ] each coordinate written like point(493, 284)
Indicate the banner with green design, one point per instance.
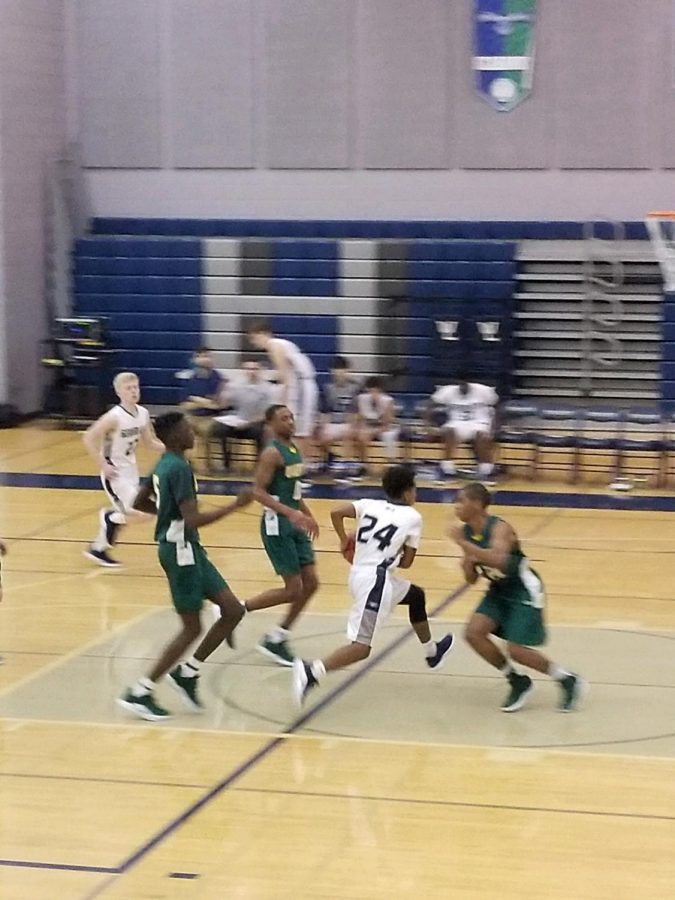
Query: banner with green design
point(503, 48)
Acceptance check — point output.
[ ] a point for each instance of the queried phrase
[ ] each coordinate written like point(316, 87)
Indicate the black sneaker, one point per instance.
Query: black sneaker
point(443, 647)
point(303, 680)
point(111, 528)
point(521, 688)
point(573, 689)
point(276, 650)
point(101, 558)
point(186, 686)
point(144, 706)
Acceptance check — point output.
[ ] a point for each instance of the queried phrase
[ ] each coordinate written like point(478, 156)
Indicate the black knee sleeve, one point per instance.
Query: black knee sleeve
point(415, 600)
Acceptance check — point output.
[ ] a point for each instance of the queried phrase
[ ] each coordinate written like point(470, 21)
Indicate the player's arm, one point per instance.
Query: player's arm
point(193, 518)
point(281, 364)
point(145, 501)
point(407, 557)
point(338, 516)
point(270, 460)
point(497, 554)
point(150, 439)
point(469, 571)
point(93, 439)
point(389, 415)
point(314, 533)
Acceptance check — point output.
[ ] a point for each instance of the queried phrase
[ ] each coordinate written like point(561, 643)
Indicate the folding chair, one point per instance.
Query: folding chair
point(556, 438)
point(598, 444)
point(515, 434)
point(641, 447)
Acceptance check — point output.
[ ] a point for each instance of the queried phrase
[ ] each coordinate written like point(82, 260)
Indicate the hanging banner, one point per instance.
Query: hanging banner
point(504, 50)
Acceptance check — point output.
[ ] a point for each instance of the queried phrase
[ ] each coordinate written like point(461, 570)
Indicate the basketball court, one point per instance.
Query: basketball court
point(394, 780)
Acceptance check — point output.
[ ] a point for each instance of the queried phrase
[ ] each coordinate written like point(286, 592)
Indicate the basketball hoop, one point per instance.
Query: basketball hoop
point(661, 229)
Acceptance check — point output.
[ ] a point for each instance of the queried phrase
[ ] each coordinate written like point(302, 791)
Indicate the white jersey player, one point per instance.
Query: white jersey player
point(388, 535)
point(299, 390)
point(470, 418)
point(111, 442)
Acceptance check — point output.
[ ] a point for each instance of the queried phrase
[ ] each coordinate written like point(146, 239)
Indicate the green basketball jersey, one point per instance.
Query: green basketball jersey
point(497, 577)
point(285, 486)
point(173, 482)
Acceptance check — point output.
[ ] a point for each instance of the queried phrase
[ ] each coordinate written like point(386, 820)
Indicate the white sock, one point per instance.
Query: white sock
point(429, 648)
point(507, 669)
point(318, 669)
point(190, 667)
point(556, 673)
point(143, 686)
point(448, 467)
point(484, 469)
point(278, 634)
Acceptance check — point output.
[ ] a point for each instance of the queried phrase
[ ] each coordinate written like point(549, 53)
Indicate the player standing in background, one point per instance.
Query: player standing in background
point(299, 390)
point(111, 442)
point(388, 535)
point(191, 575)
point(286, 528)
point(513, 605)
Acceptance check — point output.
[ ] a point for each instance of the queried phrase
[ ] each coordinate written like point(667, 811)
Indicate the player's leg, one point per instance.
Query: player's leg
point(524, 631)
point(484, 449)
point(139, 698)
point(372, 594)
point(486, 621)
point(111, 519)
point(413, 596)
point(305, 412)
point(448, 466)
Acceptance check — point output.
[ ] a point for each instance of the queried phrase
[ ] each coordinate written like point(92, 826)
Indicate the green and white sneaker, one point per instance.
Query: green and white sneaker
point(187, 688)
point(276, 650)
point(521, 688)
point(144, 706)
point(573, 689)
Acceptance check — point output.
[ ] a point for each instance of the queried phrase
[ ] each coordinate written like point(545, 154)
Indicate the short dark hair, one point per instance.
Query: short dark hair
point(272, 410)
point(373, 382)
point(341, 362)
point(397, 480)
point(202, 350)
point(259, 326)
point(477, 491)
point(166, 424)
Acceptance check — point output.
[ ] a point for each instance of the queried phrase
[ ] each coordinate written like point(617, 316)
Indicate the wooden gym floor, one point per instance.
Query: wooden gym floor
point(394, 781)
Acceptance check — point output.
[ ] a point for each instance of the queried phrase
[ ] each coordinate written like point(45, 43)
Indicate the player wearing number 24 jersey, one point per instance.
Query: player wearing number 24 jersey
point(111, 442)
point(388, 534)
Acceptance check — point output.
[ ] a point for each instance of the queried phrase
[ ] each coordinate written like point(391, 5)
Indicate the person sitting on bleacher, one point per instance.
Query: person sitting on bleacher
point(337, 407)
point(376, 420)
point(201, 397)
point(248, 400)
point(469, 408)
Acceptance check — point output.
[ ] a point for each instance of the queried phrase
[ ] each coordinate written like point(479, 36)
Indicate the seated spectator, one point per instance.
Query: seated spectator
point(375, 420)
point(336, 423)
point(248, 399)
point(469, 408)
point(201, 397)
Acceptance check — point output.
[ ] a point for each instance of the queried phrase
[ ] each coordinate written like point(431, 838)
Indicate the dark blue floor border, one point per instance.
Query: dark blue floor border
point(327, 491)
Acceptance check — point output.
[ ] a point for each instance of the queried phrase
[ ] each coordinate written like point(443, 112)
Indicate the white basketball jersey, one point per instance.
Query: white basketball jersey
point(373, 407)
point(119, 447)
point(474, 406)
point(382, 530)
point(301, 364)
